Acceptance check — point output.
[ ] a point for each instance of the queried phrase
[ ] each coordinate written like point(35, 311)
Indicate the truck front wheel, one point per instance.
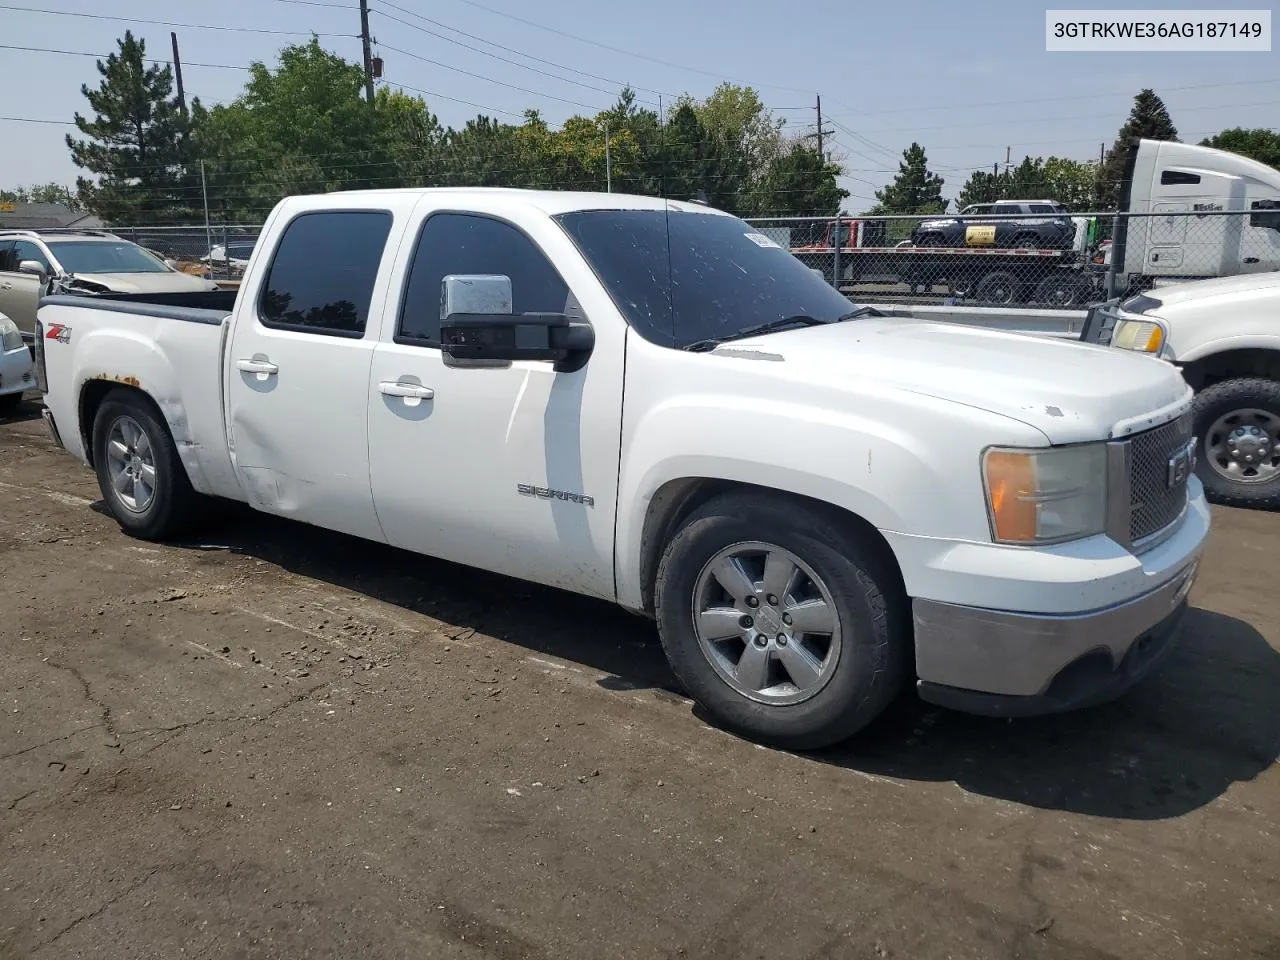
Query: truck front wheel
point(788, 628)
point(139, 472)
point(1238, 429)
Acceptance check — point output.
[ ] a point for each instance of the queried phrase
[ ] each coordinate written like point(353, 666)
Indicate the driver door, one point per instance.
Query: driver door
point(507, 466)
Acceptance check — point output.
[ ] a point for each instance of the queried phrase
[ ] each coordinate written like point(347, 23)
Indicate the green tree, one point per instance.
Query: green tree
point(303, 127)
point(1258, 144)
point(43, 193)
point(736, 119)
point(916, 189)
point(798, 184)
point(1069, 182)
point(136, 142)
point(981, 187)
point(1148, 119)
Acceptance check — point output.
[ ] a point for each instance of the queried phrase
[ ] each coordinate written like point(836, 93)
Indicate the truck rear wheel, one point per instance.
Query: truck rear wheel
point(1237, 425)
point(997, 287)
point(142, 479)
point(789, 630)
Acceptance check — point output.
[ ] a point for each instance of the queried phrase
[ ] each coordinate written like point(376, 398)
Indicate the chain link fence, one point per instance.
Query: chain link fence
point(1041, 260)
point(1045, 260)
point(219, 252)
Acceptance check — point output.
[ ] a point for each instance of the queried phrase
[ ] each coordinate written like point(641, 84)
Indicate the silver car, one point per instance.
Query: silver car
point(91, 261)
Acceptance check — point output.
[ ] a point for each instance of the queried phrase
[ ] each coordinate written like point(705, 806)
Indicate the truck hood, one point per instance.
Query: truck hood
point(144, 282)
point(1177, 294)
point(1069, 391)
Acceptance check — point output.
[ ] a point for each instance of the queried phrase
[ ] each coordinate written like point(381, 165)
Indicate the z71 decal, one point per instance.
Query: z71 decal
point(58, 331)
point(542, 493)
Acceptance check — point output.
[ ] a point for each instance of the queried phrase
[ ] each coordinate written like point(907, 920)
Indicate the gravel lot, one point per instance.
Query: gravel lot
point(279, 742)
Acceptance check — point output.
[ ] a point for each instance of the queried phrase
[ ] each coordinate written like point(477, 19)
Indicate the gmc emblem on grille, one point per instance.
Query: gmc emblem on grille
point(1180, 465)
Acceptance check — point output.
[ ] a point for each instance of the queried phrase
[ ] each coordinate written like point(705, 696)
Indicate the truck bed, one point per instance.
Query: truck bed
point(169, 346)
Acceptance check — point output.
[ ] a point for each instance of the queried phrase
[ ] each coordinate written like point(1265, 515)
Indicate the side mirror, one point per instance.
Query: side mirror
point(33, 267)
point(526, 336)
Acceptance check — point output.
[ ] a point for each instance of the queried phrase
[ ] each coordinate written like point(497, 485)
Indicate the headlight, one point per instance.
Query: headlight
point(10, 337)
point(1046, 495)
point(1145, 336)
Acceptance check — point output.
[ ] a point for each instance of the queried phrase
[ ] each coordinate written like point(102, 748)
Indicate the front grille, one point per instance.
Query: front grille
point(1153, 503)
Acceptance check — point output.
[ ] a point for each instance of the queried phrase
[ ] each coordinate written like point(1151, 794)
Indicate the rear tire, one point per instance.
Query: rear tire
point(1250, 405)
point(803, 667)
point(142, 479)
point(997, 287)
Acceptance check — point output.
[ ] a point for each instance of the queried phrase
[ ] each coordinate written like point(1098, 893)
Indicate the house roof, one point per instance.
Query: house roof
point(34, 216)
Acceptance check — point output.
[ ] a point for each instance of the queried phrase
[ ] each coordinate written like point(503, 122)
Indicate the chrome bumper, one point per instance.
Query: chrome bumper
point(1007, 664)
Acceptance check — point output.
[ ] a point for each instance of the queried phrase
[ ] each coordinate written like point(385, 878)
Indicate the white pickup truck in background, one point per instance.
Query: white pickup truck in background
point(652, 403)
point(1224, 335)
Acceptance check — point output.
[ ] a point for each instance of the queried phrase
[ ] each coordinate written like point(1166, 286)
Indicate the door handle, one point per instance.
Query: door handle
point(410, 391)
point(257, 366)
point(6, 285)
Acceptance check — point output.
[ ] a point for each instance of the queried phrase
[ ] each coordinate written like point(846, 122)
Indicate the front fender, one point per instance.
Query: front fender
point(909, 464)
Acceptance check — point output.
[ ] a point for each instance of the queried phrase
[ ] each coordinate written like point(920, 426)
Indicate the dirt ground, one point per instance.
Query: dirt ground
point(279, 742)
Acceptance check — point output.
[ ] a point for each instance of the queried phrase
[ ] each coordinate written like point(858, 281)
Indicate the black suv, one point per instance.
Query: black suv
point(1011, 224)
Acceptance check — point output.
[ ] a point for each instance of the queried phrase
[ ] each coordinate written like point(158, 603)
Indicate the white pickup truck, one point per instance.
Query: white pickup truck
point(1224, 335)
point(652, 403)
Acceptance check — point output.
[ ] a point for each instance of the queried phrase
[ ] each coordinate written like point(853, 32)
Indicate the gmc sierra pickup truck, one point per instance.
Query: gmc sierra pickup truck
point(652, 403)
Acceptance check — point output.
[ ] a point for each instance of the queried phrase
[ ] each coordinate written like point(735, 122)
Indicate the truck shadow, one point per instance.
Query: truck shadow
point(1175, 743)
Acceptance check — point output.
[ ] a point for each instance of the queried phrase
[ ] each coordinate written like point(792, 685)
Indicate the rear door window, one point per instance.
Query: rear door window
point(322, 275)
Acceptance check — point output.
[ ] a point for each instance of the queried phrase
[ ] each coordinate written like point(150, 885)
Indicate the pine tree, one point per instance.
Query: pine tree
point(1149, 119)
point(135, 144)
point(915, 189)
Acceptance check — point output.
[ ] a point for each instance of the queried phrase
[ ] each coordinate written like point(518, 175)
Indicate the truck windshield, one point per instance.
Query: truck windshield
point(99, 256)
point(708, 277)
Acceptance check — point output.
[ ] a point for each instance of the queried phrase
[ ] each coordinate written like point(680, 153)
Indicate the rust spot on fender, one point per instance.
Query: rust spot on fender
point(127, 380)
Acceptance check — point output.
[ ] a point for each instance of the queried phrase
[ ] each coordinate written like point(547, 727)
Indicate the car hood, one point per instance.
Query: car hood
point(1069, 391)
point(1177, 294)
point(145, 282)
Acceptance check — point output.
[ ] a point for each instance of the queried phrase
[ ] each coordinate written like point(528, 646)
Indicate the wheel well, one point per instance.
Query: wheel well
point(1230, 364)
point(92, 396)
point(677, 499)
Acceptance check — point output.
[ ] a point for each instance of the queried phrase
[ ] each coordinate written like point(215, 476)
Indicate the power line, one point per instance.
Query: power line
point(519, 53)
point(66, 123)
point(441, 96)
point(1074, 96)
point(168, 23)
point(626, 53)
point(103, 56)
point(488, 54)
point(1087, 116)
point(480, 76)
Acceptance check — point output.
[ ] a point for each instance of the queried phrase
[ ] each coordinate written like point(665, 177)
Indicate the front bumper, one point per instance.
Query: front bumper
point(16, 373)
point(1019, 664)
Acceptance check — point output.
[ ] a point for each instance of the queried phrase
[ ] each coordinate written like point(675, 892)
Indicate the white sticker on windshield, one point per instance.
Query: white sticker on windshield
point(760, 240)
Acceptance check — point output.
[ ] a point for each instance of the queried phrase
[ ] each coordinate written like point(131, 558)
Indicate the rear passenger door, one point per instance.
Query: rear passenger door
point(297, 365)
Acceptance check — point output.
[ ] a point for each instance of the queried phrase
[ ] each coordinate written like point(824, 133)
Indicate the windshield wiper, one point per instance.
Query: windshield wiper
point(770, 326)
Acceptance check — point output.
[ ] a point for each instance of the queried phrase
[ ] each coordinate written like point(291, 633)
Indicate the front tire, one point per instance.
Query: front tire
point(142, 479)
point(788, 629)
point(1237, 424)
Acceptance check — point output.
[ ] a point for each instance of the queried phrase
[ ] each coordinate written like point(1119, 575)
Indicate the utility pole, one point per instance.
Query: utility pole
point(822, 131)
point(368, 53)
point(608, 162)
point(821, 156)
point(1102, 153)
point(1008, 158)
point(177, 73)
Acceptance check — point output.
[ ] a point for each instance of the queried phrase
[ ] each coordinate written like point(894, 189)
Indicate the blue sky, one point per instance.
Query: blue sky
point(965, 79)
